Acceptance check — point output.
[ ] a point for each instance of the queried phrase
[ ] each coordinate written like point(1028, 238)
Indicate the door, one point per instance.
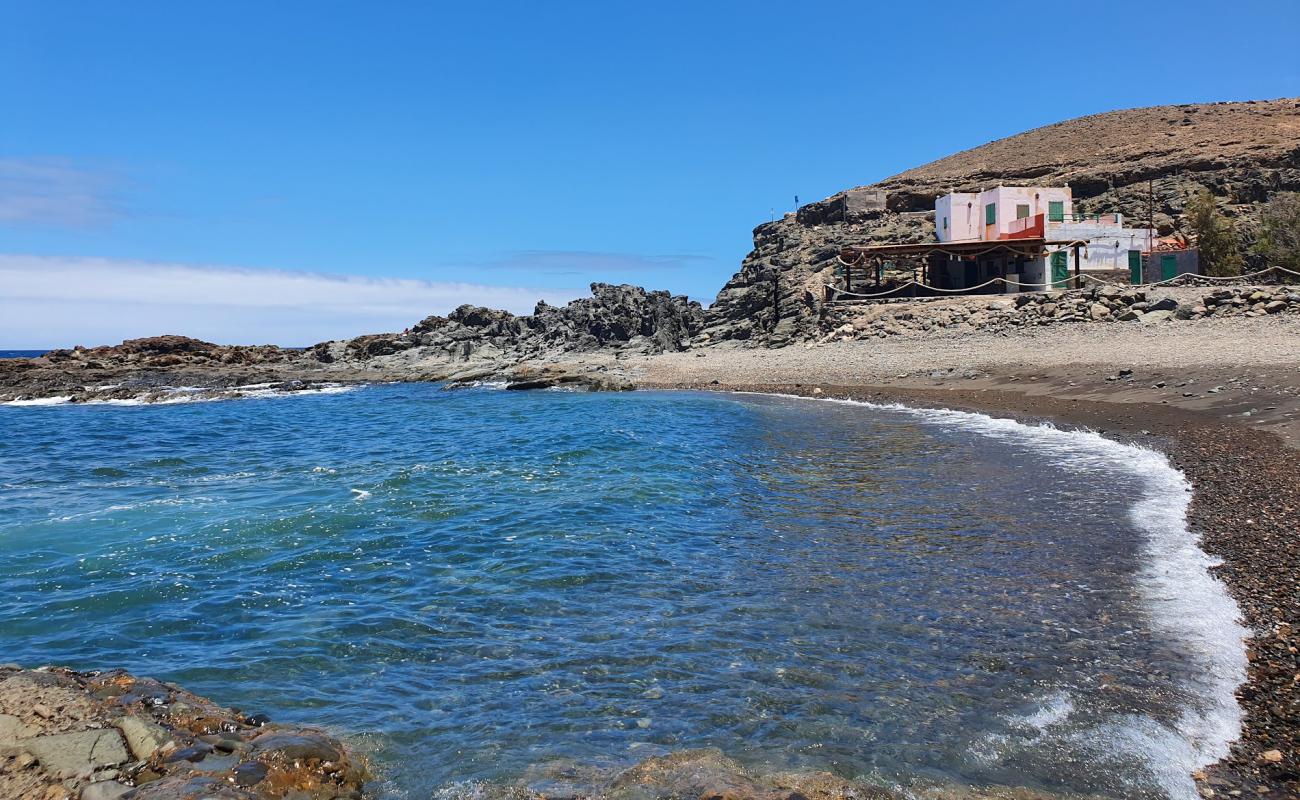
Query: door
point(1060, 269)
point(1135, 267)
point(1168, 267)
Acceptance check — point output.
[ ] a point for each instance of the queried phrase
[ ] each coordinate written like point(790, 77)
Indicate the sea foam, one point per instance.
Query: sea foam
point(193, 394)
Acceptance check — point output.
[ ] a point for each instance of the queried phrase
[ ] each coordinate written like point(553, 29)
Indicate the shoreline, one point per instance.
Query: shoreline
point(1227, 415)
point(1245, 511)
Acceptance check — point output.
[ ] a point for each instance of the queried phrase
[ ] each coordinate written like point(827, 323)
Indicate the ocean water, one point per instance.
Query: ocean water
point(473, 584)
point(22, 353)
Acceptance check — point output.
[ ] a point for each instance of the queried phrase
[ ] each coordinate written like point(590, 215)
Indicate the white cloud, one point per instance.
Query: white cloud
point(54, 191)
point(58, 302)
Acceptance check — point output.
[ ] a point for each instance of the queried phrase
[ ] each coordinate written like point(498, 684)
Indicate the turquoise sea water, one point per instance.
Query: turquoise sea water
point(473, 583)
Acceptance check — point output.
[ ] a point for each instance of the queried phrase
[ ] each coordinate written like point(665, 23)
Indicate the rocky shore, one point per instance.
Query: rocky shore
point(588, 344)
point(1002, 313)
point(111, 735)
point(551, 347)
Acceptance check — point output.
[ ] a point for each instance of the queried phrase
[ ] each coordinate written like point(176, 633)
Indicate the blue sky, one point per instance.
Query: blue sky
point(501, 152)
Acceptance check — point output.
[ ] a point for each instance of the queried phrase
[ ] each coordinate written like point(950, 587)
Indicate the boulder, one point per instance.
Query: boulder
point(142, 736)
point(295, 746)
point(78, 753)
point(104, 790)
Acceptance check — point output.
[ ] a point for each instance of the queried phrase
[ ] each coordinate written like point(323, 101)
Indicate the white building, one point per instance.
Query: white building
point(995, 213)
point(1098, 244)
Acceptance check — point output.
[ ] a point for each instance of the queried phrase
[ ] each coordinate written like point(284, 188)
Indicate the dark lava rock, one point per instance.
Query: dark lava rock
point(249, 773)
point(195, 753)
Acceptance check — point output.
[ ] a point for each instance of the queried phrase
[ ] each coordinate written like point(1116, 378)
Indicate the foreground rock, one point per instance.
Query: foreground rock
point(707, 774)
point(111, 735)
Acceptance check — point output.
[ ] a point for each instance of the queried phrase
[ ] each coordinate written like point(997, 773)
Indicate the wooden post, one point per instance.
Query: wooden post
point(1077, 284)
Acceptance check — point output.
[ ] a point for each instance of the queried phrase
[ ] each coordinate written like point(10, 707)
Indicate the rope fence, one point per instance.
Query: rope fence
point(1185, 277)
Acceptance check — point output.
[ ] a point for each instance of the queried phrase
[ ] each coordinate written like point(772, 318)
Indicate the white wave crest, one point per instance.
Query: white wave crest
point(195, 394)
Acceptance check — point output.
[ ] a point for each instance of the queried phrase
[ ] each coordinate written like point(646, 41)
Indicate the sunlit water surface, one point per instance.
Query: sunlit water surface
point(472, 583)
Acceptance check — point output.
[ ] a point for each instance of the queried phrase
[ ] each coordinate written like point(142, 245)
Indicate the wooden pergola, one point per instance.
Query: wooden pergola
point(873, 257)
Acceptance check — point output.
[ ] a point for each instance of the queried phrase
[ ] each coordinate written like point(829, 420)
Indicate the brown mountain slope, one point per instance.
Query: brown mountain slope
point(1118, 148)
point(1126, 161)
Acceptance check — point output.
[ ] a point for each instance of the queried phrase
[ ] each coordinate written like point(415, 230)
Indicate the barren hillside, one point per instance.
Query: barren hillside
point(1102, 152)
point(1117, 161)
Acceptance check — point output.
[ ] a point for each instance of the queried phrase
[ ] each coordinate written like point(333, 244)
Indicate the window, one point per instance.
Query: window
point(991, 214)
point(1056, 211)
point(945, 223)
point(1022, 211)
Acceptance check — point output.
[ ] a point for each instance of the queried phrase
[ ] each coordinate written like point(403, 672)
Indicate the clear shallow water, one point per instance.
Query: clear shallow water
point(473, 583)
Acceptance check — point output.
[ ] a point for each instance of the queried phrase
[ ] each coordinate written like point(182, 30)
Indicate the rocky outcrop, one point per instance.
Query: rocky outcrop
point(472, 340)
point(614, 317)
point(1121, 161)
point(110, 735)
point(166, 352)
point(776, 297)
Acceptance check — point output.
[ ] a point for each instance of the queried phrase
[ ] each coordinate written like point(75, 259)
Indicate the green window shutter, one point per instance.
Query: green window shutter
point(1056, 211)
point(991, 214)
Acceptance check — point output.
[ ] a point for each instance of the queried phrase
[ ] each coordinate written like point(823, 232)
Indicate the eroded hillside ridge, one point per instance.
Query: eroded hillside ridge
point(1123, 161)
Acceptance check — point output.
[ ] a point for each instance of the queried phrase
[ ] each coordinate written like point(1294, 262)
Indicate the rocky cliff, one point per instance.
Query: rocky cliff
point(614, 318)
point(1117, 161)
